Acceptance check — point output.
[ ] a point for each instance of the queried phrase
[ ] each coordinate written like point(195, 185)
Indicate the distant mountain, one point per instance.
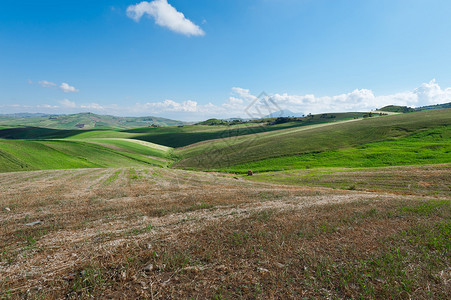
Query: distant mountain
point(83, 121)
point(26, 115)
point(283, 113)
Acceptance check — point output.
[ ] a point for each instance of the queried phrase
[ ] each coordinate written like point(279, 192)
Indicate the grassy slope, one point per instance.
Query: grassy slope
point(133, 146)
point(354, 143)
point(428, 147)
point(172, 136)
point(224, 153)
point(22, 155)
point(94, 134)
point(183, 136)
point(35, 133)
point(34, 148)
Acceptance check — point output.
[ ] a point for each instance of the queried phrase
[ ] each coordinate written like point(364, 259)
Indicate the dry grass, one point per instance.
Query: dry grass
point(214, 236)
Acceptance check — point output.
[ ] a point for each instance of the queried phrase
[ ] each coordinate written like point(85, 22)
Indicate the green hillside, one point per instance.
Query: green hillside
point(18, 133)
point(133, 146)
point(437, 106)
point(398, 109)
point(326, 140)
point(177, 136)
point(181, 136)
point(323, 144)
point(427, 147)
point(21, 155)
point(85, 121)
point(405, 109)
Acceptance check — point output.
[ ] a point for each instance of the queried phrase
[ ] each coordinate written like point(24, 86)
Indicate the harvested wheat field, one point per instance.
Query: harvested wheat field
point(160, 233)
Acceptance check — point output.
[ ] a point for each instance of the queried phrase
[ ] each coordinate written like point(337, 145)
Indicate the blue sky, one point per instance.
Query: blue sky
point(117, 57)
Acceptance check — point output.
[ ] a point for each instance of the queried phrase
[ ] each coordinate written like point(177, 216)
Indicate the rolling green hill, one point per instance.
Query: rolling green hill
point(437, 106)
point(19, 133)
point(176, 136)
point(326, 140)
point(133, 146)
point(326, 144)
point(25, 155)
point(427, 147)
point(405, 109)
point(181, 136)
point(398, 109)
point(84, 121)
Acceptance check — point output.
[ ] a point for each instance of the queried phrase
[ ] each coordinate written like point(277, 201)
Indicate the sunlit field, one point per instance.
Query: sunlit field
point(160, 233)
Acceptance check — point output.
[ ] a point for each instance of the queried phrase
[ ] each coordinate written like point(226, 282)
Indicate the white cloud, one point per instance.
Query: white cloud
point(168, 106)
point(165, 15)
point(45, 83)
point(67, 103)
point(65, 87)
point(364, 99)
point(431, 93)
point(243, 93)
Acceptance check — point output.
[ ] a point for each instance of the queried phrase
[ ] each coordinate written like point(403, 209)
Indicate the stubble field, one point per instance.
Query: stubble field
point(159, 233)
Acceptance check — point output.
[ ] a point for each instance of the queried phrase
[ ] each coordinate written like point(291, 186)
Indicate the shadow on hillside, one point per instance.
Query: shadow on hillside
point(37, 133)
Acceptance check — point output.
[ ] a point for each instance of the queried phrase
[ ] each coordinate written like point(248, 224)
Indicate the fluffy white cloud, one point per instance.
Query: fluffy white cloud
point(165, 15)
point(243, 93)
point(431, 93)
point(45, 83)
point(65, 87)
point(363, 99)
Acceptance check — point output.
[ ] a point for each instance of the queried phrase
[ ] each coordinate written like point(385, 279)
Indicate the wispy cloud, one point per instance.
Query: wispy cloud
point(45, 83)
point(165, 15)
point(65, 87)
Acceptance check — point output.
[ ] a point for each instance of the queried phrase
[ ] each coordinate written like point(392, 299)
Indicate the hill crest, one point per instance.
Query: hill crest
point(85, 120)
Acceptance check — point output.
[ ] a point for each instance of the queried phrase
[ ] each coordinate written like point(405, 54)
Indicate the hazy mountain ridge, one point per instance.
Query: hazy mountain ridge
point(28, 115)
point(83, 121)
